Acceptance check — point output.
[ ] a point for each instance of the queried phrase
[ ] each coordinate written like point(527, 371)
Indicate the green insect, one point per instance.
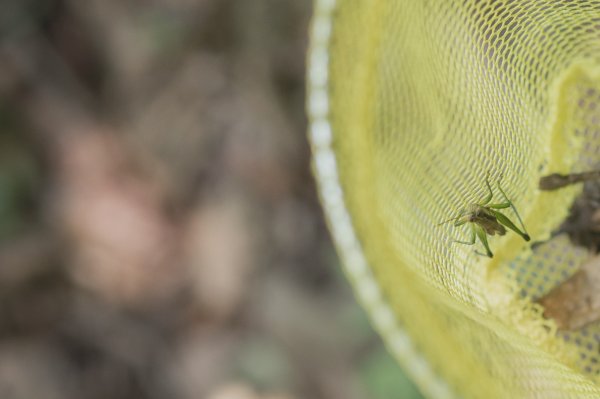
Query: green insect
point(484, 218)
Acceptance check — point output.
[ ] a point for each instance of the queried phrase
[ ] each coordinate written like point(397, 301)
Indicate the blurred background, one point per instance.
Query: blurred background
point(160, 233)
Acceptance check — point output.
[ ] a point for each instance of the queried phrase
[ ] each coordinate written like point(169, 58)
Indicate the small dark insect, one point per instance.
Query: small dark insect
point(484, 220)
point(556, 180)
point(583, 223)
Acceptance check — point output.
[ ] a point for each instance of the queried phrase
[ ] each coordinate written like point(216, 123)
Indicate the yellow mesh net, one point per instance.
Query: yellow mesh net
point(411, 104)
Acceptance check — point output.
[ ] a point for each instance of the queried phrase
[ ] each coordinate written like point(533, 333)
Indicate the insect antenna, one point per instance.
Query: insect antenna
point(449, 220)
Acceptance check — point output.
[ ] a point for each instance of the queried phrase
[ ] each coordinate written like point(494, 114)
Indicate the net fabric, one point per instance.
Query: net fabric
point(411, 104)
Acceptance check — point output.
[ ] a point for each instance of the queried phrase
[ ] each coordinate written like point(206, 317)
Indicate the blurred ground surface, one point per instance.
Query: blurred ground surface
point(160, 235)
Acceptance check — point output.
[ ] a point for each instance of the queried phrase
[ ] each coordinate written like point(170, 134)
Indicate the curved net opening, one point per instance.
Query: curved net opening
point(412, 104)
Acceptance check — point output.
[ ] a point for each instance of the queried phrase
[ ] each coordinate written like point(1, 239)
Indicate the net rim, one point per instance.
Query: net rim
point(338, 218)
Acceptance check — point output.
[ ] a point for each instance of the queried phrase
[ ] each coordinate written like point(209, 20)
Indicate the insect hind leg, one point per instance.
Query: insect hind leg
point(523, 233)
point(481, 234)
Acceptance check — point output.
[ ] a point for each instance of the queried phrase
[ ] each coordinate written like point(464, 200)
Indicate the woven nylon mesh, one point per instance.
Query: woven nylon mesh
point(412, 103)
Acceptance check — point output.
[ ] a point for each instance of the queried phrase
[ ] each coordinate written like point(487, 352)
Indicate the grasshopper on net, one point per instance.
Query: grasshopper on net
point(484, 218)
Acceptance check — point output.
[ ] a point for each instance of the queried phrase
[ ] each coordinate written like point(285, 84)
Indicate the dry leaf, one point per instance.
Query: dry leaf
point(576, 302)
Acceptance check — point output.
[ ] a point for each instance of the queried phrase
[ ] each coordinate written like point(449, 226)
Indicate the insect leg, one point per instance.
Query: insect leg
point(508, 223)
point(501, 205)
point(481, 234)
point(525, 234)
point(471, 239)
point(488, 198)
